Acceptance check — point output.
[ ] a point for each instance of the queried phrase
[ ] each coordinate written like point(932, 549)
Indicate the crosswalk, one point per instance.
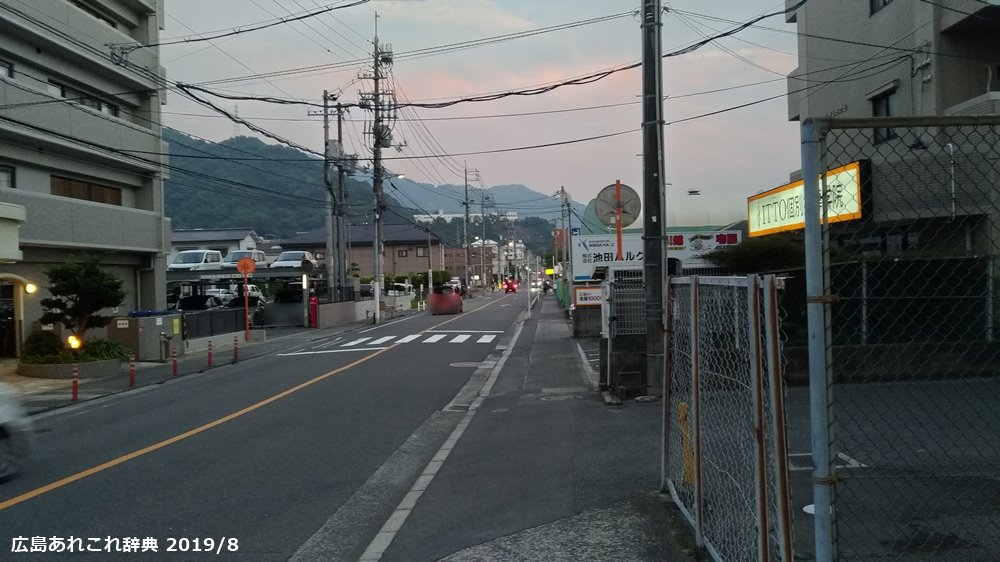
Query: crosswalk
point(370, 343)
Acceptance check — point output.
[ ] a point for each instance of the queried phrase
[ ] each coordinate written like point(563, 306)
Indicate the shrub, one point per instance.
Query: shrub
point(42, 347)
point(100, 350)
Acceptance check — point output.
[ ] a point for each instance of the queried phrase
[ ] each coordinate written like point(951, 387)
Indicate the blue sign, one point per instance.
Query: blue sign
point(574, 232)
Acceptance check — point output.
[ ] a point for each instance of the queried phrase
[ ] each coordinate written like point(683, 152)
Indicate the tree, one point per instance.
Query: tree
point(761, 254)
point(80, 290)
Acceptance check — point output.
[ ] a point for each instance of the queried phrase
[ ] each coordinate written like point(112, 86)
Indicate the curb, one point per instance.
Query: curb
point(610, 399)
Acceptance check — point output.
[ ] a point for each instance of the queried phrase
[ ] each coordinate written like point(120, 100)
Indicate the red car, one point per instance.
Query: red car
point(445, 299)
point(509, 286)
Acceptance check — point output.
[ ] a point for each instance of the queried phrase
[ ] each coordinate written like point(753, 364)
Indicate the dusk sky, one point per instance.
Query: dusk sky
point(726, 157)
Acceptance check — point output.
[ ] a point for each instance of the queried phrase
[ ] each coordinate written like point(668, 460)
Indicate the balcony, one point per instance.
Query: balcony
point(969, 16)
point(71, 223)
point(986, 104)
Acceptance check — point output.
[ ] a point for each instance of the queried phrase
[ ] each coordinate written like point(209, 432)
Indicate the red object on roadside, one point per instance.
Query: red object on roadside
point(313, 306)
point(76, 382)
point(236, 349)
point(131, 370)
point(209, 354)
point(173, 356)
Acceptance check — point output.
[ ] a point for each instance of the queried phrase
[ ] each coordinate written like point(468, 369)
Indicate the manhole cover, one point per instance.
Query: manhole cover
point(466, 364)
point(561, 397)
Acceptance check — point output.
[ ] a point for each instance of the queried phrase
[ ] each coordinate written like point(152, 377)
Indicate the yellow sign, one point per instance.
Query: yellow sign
point(177, 326)
point(783, 208)
point(550, 271)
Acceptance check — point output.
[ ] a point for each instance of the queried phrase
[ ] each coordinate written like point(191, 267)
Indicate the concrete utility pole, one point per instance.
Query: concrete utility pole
point(465, 226)
point(381, 137)
point(652, 192)
point(482, 242)
point(343, 249)
point(332, 260)
point(430, 265)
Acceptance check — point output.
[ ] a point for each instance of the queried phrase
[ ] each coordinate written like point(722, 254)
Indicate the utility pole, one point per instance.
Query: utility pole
point(482, 242)
point(562, 231)
point(430, 265)
point(652, 191)
point(465, 226)
point(343, 248)
point(381, 137)
point(332, 260)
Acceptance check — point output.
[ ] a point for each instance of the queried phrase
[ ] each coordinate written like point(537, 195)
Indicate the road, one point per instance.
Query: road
point(313, 446)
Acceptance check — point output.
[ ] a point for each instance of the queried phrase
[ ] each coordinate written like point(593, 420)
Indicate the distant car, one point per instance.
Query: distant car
point(256, 305)
point(510, 286)
point(232, 258)
point(15, 434)
point(445, 299)
point(293, 259)
point(196, 260)
point(198, 302)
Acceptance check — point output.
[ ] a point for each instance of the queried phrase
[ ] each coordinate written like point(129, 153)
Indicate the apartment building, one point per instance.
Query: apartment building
point(885, 58)
point(80, 145)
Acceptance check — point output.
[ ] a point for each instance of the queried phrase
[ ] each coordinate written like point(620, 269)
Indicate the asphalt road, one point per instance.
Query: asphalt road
point(270, 452)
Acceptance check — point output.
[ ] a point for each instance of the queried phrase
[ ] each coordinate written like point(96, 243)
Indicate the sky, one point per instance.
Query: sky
point(725, 157)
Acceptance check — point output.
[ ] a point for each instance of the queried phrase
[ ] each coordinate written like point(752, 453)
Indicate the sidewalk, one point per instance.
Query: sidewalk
point(39, 395)
point(547, 471)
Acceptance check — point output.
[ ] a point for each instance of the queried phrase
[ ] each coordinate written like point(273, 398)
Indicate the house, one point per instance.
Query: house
point(224, 240)
point(80, 146)
point(406, 249)
point(482, 262)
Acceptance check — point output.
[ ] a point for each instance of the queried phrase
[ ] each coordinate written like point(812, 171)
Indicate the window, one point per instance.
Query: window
point(401, 253)
point(884, 105)
point(78, 189)
point(6, 69)
point(81, 98)
point(421, 252)
point(877, 5)
point(93, 12)
point(321, 255)
point(7, 177)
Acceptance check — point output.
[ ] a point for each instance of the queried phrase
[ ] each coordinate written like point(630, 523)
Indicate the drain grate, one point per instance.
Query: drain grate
point(456, 408)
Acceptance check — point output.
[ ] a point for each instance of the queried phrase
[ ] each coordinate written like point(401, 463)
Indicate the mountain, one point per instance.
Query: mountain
point(277, 190)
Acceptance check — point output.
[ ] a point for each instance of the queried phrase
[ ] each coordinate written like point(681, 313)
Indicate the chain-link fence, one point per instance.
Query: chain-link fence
point(902, 242)
point(626, 298)
point(725, 456)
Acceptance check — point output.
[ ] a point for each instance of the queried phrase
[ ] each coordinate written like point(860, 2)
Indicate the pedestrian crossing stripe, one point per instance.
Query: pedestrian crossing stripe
point(435, 338)
point(408, 339)
point(356, 342)
point(369, 343)
point(380, 340)
point(460, 338)
point(485, 339)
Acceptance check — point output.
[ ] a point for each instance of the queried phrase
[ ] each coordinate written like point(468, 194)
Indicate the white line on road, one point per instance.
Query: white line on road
point(386, 324)
point(408, 339)
point(381, 340)
point(391, 527)
point(329, 351)
point(460, 339)
point(435, 338)
point(464, 331)
point(356, 342)
point(485, 339)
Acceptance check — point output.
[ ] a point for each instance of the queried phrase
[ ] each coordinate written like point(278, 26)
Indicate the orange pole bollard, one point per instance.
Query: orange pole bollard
point(209, 354)
point(76, 382)
point(173, 356)
point(131, 370)
point(236, 349)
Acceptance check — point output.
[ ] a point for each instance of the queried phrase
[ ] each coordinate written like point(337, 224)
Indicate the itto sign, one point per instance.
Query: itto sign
point(783, 208)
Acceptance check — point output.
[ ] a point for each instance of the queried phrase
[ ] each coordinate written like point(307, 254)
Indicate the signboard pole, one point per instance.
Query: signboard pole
point(246, 308)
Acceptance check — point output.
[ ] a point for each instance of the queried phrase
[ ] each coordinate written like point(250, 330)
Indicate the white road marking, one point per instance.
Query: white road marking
point(464, 331)
point(408, 339)
point(330, 351)
point(386, 324)
point(356, 342)
point(460, 339)
point(435, 338)
point(381, 340)
point(485, 339)
point(385, 536)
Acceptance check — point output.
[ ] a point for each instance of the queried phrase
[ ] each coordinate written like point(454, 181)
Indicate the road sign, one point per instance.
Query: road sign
point(575, 231)
point(246, 266)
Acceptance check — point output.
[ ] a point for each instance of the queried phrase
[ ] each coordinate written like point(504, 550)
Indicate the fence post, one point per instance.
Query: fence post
point(131, 370)
point(173, 359)
point(817, 306)
point(699, 510)
point(783, 509)
point(757, 395)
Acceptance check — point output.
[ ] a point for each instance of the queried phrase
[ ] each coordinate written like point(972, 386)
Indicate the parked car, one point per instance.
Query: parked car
point(224, 295)
point(198, 302)
point(256, 307)
point(15, 434)
point(445, 299)
point(252, 291)
point(509, 286)
point(196, 260)
point(293, 259)
point(259, 257)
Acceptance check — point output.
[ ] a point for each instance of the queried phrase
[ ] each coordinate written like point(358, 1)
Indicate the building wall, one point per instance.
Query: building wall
point(47, 131)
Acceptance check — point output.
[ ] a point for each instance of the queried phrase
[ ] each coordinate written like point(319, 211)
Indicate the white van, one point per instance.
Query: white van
point(196, 260)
